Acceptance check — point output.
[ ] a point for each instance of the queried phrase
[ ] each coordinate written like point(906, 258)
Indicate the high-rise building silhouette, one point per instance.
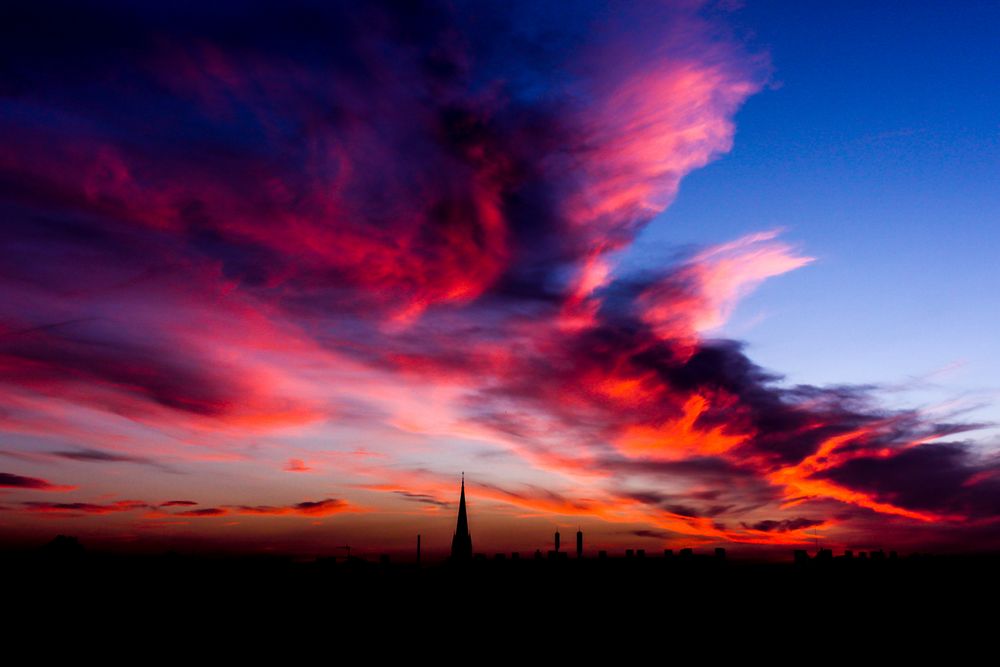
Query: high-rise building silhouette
point(579, 542)
point(557, 541)
point(461, 543)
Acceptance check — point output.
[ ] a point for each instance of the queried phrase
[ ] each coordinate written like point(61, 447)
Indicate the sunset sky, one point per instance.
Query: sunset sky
point(683, 274)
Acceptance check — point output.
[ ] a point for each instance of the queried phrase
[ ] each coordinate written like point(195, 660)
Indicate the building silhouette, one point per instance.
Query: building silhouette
point(461, 543)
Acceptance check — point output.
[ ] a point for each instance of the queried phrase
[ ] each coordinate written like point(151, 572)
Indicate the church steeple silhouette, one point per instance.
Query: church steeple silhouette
point(461, 544)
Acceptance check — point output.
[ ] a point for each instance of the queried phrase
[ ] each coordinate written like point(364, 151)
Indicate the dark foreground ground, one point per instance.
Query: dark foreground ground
point(929, 597)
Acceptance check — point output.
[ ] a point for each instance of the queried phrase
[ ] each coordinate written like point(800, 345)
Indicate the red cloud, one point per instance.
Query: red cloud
point(204, 512)
point(18, 482)
point(296, 465)
point(85, 508)
point(325, 507)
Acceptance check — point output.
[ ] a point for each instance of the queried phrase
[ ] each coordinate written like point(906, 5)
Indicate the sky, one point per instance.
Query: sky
point(677, 274)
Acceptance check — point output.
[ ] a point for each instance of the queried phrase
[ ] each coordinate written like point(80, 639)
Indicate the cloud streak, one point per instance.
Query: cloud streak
point(12, 481)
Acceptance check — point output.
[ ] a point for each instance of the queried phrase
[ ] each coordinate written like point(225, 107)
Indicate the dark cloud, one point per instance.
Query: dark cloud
point(320, 507)
point(19, 482)
point(943, 477)
point(85, 508)
point(97, 455)
point(424, 498)
point(653, 534)
point(324, 507)
point(535, 496)
point(707, 468)
point(671, 502)
point(64, 361)
point(101, 456)
point(204, 512)
point(784, 525)
point(773, 428)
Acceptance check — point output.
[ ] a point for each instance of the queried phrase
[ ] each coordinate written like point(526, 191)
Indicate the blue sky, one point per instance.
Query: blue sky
point(876, 147)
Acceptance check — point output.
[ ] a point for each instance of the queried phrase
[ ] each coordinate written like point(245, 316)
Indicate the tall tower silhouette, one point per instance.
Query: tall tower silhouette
point(461, 544)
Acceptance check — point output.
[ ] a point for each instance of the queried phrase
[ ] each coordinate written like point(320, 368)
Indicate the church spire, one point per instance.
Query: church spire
point(461, 544)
